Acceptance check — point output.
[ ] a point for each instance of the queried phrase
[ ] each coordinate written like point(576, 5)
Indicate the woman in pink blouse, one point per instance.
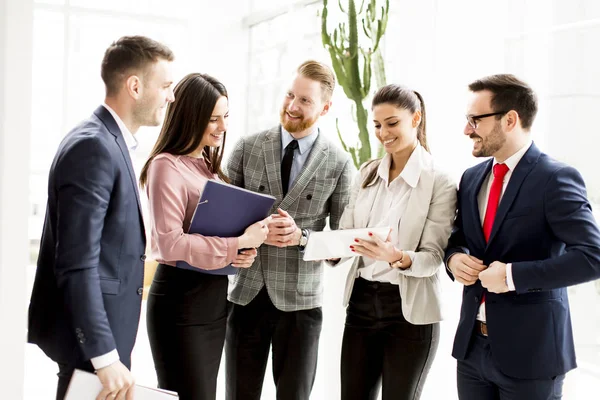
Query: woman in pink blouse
point(187, 310)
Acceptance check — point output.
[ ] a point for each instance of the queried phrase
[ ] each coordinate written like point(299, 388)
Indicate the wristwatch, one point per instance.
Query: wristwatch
point(303, 239)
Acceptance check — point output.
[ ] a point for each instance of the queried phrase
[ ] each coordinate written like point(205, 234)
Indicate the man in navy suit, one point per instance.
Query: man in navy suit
point(524, 232)
point(86, 299)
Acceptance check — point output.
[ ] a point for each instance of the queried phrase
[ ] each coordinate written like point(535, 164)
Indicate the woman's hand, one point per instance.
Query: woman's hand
point(377, 249)
point(245, 258)
point(255, 234)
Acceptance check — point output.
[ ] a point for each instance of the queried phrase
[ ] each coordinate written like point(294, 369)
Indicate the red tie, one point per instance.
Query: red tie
point(500, 171)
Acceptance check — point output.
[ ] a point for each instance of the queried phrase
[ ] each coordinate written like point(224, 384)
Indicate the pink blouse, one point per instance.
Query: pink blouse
point(173, 187)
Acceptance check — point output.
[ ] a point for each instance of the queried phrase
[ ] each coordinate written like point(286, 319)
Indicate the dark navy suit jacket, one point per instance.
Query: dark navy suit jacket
point(86, 297)
point(544, 226)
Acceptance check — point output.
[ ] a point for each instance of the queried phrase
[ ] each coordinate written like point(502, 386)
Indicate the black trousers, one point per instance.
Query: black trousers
point(380, 349)
point(187, 319)
point(251, 331)
point(479, 378)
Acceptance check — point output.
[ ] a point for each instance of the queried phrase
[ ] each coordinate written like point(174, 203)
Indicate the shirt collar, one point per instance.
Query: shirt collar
point(411, 172)
point(512, 161)
point(130, 140)
point(304, 144)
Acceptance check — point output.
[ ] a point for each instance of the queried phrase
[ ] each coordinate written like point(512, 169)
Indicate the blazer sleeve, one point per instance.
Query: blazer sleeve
point(167, 201)
point(235, 165)
point(84, 178)
point(457, 242)
point(436, 231)
point(570, 219)
point(341, 195)
point(347, 219)
point(344, 198)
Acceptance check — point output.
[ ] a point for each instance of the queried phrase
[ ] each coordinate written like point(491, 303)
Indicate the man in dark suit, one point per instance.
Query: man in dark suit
point(87, 294)
point(523, 233)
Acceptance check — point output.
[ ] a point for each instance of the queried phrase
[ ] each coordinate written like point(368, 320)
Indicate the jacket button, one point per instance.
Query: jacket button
point(308, 196)
point(476, 299)
point(261, 188)
point(78, 330)
point(82, 340)
point(143, 257)
point(140, 291)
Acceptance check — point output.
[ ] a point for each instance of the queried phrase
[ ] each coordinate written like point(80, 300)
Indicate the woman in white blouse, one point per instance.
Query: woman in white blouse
point(393, 290)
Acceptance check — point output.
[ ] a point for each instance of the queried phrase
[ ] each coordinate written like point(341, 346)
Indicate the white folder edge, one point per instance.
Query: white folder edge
point(336, 244)
point(86, 386)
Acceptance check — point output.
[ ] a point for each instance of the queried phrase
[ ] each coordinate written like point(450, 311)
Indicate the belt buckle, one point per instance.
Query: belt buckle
point(482, 328)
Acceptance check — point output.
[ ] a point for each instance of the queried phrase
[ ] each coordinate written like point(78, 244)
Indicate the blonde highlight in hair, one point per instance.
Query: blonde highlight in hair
point(317, 71)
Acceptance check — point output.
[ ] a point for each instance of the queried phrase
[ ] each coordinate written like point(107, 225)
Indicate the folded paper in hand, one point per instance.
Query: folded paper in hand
point(87, 386)
point(336, 244)
point(226, 210)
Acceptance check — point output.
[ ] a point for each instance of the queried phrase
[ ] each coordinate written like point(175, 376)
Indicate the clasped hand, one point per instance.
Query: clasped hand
point(468, 269)
point(283, 230)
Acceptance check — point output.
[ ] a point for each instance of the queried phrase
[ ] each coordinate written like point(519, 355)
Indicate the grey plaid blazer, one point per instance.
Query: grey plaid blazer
point(321, 190)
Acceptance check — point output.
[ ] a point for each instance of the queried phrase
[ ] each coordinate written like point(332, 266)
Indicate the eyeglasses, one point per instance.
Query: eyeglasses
point(473, 120)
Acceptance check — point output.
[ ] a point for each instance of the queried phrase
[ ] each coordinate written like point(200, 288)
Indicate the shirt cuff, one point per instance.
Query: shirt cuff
point(105, 360)
point(232, 249)
point(509, 277)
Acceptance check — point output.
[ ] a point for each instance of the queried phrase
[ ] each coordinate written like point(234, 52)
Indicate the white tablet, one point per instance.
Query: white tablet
point(336, 244)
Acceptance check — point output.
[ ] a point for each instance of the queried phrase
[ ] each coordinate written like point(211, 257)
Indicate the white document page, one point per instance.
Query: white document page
point(336, 244)
point(87, 386)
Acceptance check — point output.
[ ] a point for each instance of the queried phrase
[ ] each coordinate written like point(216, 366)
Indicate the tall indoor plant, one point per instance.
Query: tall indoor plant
point(356, 59)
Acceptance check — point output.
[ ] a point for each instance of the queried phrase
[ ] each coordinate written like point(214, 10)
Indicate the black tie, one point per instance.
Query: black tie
point(286, 165)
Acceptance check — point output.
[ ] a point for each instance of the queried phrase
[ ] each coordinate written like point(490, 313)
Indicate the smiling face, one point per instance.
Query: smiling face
point(396, 128)
point(488, 137)
point(302, 106)
point(156, 93)
point(217, 125)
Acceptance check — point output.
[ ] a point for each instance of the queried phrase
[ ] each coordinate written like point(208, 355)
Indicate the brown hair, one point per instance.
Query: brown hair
point(186, 121)
point(129, 54)
point(405, 98)
point(509, 93)
point(321, 73)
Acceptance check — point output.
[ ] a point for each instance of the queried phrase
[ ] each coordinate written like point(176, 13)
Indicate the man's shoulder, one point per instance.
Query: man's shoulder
point(335, 153)
point(261, 136)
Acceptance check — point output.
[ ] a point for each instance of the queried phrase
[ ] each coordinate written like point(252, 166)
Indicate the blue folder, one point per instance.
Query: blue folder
point(225, 210)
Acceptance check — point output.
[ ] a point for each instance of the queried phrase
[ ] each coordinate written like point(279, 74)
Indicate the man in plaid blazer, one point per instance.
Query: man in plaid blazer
point(277, 301)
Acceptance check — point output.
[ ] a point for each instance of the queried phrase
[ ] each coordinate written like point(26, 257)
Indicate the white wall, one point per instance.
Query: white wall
point(15, 115)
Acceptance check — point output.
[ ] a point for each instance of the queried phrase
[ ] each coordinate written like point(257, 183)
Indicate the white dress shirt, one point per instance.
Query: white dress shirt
point(482, 200)
point(388, 207)
point(107, 359)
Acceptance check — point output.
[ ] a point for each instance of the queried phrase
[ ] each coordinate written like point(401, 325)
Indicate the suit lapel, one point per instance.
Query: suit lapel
point(317, 157)
point(521, 171)
point(272, 154)
point(113, 128)
point(473, 201)
point(414, 217)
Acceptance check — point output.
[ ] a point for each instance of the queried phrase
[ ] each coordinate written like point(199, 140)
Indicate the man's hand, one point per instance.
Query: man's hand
point(465, 268)
point(283, 230)
point(494, 278)
point(117, 382)
point(245, 258)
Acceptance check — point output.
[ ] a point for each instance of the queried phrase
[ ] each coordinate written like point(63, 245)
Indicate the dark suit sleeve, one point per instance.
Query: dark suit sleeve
point(84, 176)
point(341, 195)
point(570, 219)
point(457, 242)
point(235, 165)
